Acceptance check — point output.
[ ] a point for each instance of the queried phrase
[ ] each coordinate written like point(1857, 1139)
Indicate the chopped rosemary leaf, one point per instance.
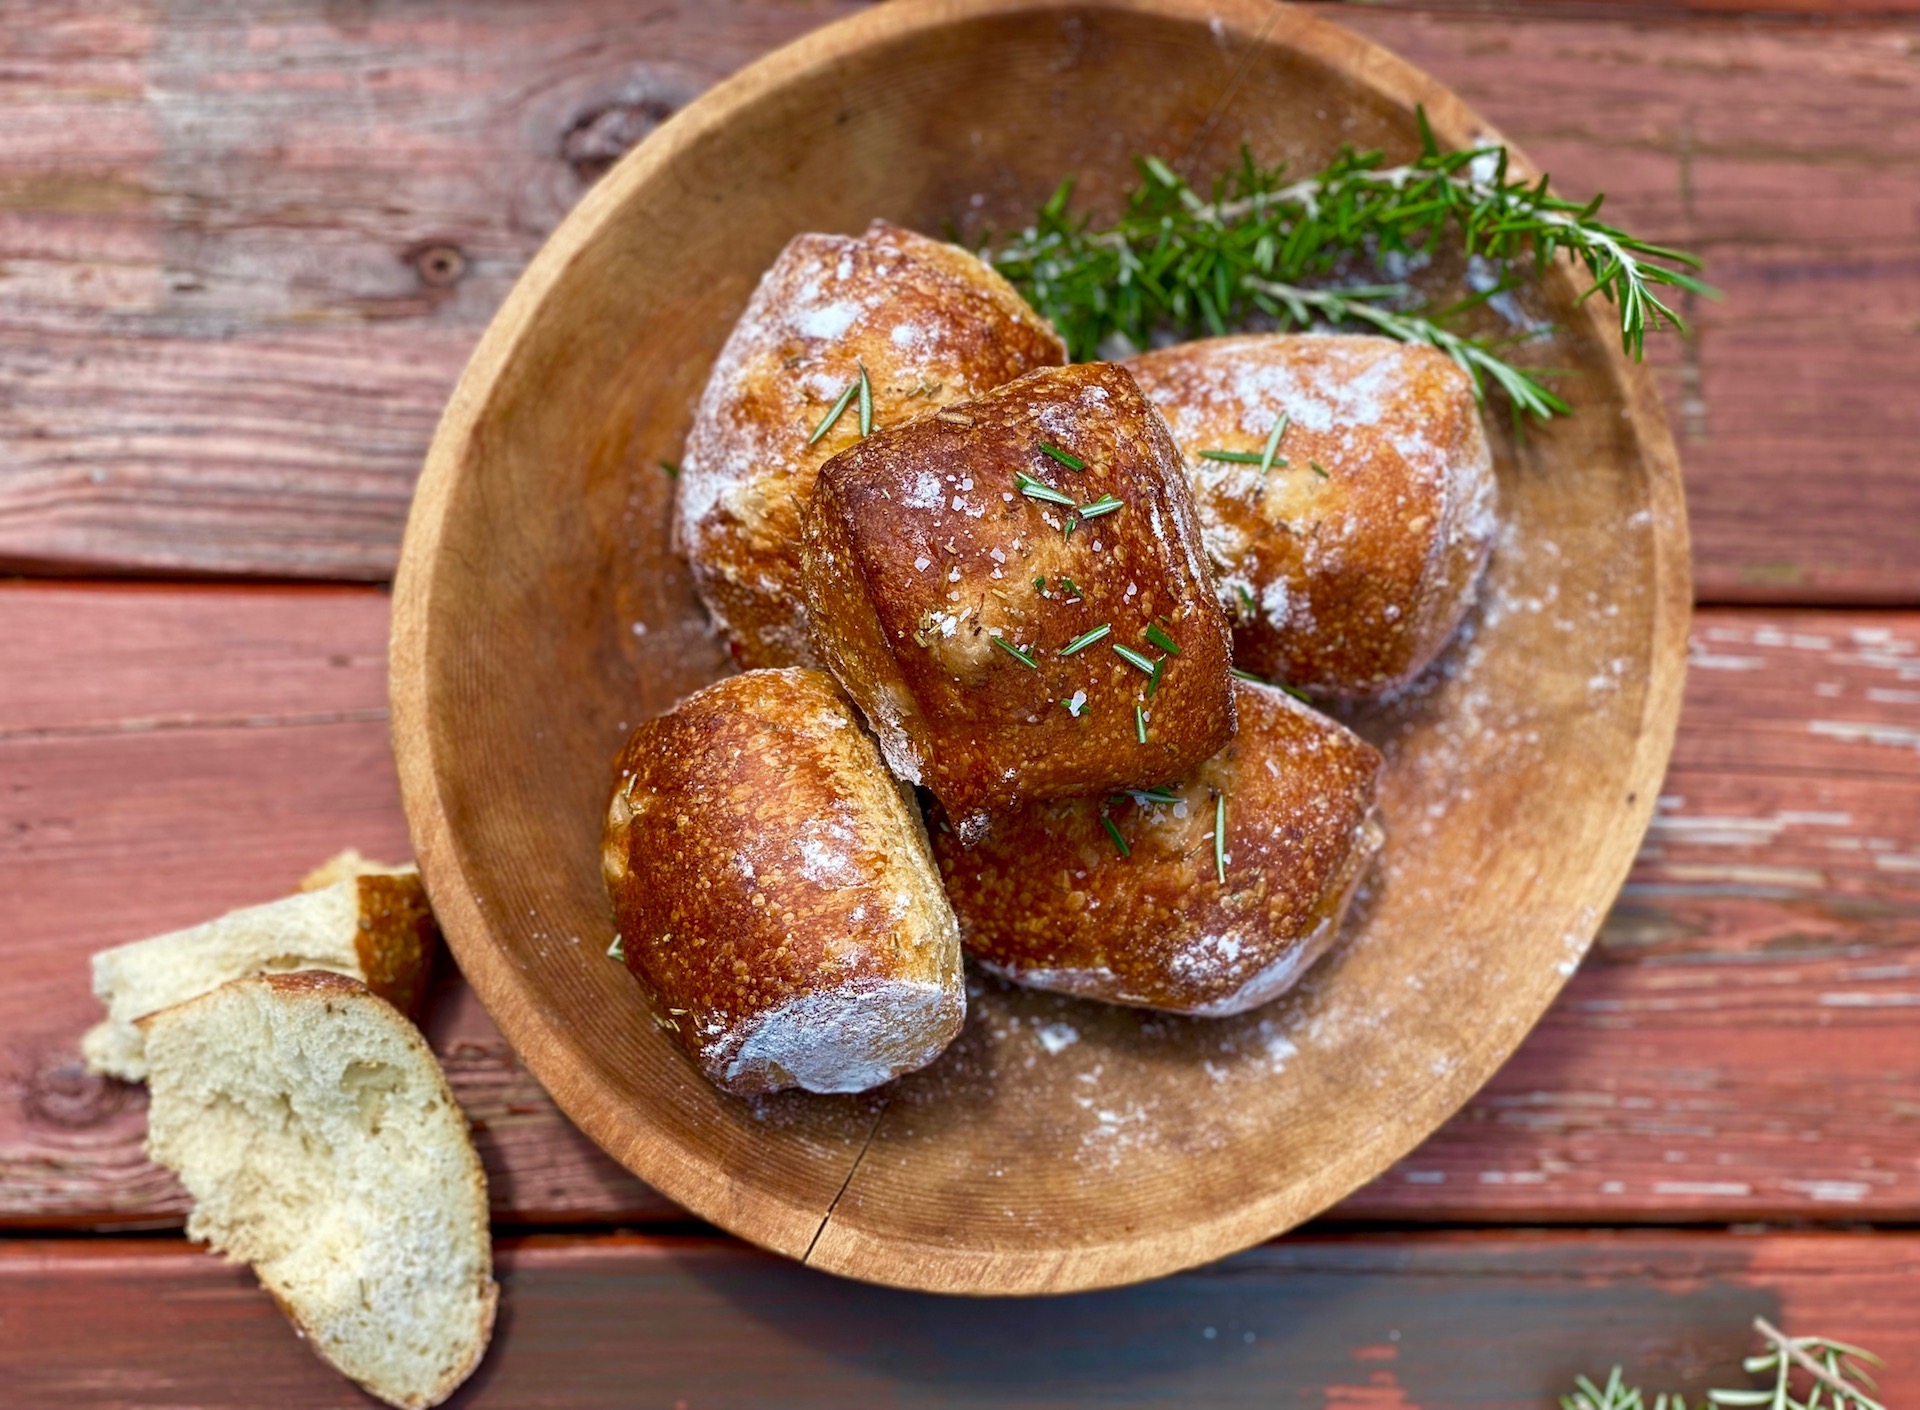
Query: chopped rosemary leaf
point(1153, 681)
point(1161, 639)
point(1070, 587)
point(1314, 466)
point(1134, 658)
point(1034, 489)
point(673, 471)
point(1015, 652)
point(866, 402)
point(1246, 598)
point(1144, 796)
point(1114, 833)
point(1237, 457)
point(1065, 457)
point(1220, 838)
point(1273, 444)
point(1239, 674)
point(1086, 639)
point(1106, 504)
point(1073, 522)
point(617, 950)
point(826, 422)
point(1039, 584)
point(1140, 722)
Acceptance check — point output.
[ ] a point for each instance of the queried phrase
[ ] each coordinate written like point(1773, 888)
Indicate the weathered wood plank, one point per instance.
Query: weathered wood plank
point(246, 253)
point(1446, 1322)
point(1740, 1046)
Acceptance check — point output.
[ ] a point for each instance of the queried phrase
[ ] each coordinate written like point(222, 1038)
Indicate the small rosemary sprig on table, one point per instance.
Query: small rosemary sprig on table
point(1262, 248)
point(1830, 1370)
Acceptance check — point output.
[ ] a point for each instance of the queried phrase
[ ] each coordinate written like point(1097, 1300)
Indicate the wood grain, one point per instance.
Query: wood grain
point(247, 252)
point(1444, 1322)
point(1739, 1046)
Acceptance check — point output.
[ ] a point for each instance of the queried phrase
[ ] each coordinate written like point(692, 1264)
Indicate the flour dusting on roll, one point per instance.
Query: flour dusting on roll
point(775, 891)
point(1348, 562)
point(929, 324)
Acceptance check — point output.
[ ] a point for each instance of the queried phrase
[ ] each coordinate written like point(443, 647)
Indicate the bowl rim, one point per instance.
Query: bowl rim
point(696, 1182)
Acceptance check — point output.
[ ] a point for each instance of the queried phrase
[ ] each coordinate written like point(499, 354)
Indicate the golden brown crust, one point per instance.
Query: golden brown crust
point(921, 548)
point(397, 938)
point(1048, 899)
point(1348, 584)
point(775, 890)
point(931, 324)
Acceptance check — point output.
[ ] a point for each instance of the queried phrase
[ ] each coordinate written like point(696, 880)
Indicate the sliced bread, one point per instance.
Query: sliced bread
point(371, 923)
point(319, 1140)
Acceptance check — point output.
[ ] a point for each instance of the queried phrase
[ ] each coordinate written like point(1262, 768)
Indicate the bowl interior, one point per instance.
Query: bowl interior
point(1059, 1144)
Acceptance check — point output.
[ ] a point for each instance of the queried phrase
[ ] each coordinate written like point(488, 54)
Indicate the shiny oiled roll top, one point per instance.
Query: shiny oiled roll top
point(1129, 898)
point(775, 893)
point(1014, 594)
point(1348, 562)
point(927, 322)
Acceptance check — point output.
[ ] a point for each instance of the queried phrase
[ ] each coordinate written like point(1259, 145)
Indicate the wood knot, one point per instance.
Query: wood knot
point(438, 264)
point(602, 135)
point(63, 1093)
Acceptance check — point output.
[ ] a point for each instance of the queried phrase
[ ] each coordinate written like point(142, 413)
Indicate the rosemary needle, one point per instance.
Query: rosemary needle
point(1239, 674)
point(1086, 639)
point(1153, 681)
point(1134, 658)
point(1015, 652)
point(1140, 722)
point(1065, 457)
point(1314, 466)
point(1161, 639)
point(1034, 489)
point(673, 471)
point(1266, 455)
point(1220, 837)
point(1237, 457)
point(617, 950)
point(1114, 832)
point(826, 422)
point(866, 402)
point(1106, 504)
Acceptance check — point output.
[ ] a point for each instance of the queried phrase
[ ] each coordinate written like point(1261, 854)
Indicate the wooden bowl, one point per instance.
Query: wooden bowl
point(1059, 1145)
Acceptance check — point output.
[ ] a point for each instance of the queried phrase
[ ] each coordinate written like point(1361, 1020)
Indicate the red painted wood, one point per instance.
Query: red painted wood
point(1441, 1322)
point(1740, 1046)
point(228, 326)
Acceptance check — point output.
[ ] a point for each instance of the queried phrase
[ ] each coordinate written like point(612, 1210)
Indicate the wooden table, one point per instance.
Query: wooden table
point(244, 250)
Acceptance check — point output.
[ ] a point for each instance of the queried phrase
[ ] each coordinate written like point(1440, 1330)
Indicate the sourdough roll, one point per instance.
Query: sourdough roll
point(775, 891)
point(1120, 898)
point(931, 325)
point(1013, 592)
point(1348, 578)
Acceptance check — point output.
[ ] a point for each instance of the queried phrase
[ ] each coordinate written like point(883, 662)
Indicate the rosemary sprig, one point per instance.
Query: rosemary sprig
point(1832, 1370)
point(1015, 652)
point(1065, 457)
point(1261, 247)
point(1086, 639)
point(1035, 489)
point(1220, 837)
point(833, 414)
